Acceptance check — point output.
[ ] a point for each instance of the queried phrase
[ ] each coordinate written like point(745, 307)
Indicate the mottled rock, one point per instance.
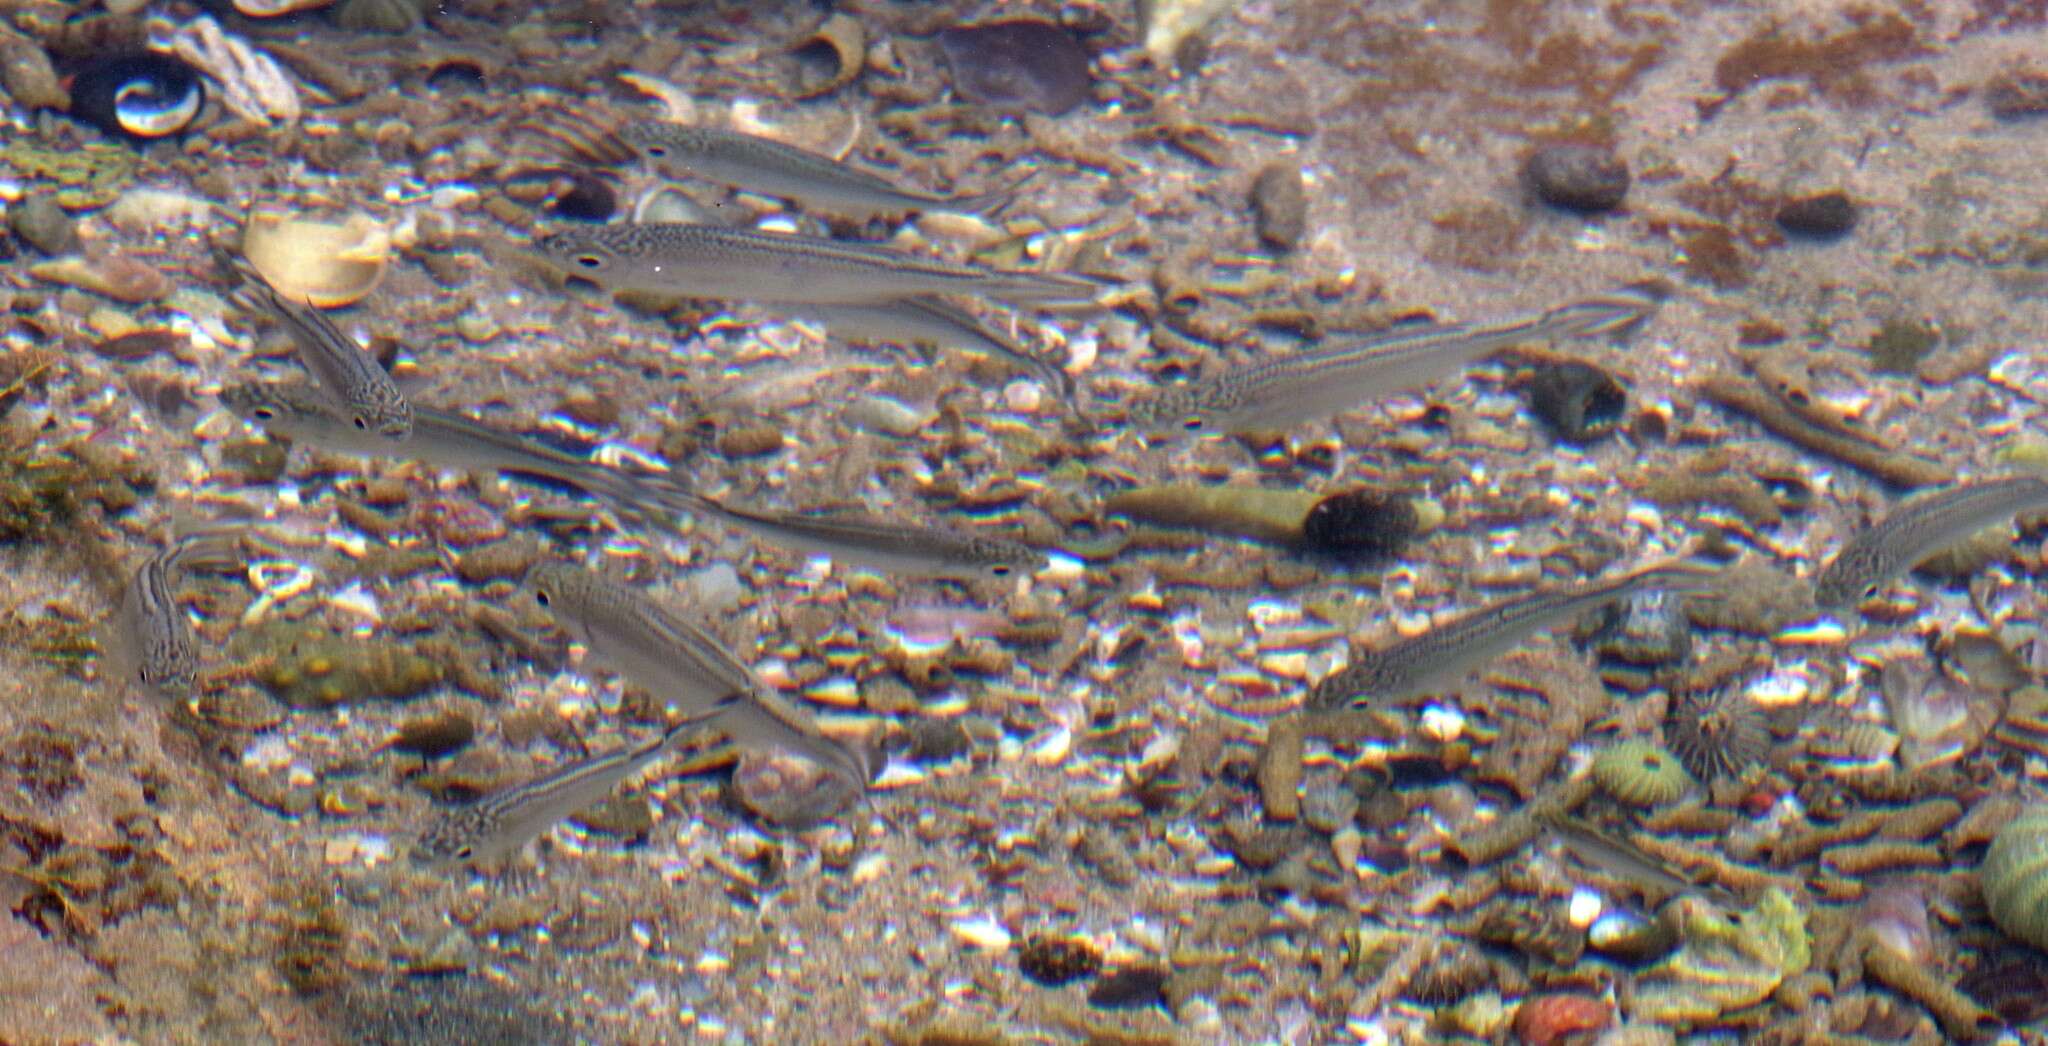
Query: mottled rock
point(1587, 179)
point(1823, 216)
point(1280, 205)
point(43, 224)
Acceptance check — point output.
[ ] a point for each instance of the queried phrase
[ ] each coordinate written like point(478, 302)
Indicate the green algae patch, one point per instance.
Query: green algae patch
point(1900, 345)
point(83, 177)
point(309, 667)
point(1727, 962)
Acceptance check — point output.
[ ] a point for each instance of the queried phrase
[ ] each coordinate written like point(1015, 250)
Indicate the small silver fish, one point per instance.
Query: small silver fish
point(440, 438)
point(1279, 393)
point(1918, 529)
point(1623, 860)
point(1444, 654)
point(887, 545)
point(626, 631)
point(771, 168)
point(709, 261)
point(931, 321)
point(347, 375)
point(151, 641)
point(500, 824)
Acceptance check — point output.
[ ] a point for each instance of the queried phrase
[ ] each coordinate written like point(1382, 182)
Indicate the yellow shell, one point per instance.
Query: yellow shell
point(323, 263)
point(1640, 773)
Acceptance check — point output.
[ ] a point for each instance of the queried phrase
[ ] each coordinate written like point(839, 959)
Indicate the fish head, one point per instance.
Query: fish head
point(1000, 560)
point(1166, 412)
point(452, 839)
point(562, 590)
point(388, 418)
point(291, 411)
point(1849, 579)
point(581, 255)
point(657, 142)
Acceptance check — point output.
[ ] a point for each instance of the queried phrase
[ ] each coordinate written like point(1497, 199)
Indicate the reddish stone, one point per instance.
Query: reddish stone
point(1545, 1020)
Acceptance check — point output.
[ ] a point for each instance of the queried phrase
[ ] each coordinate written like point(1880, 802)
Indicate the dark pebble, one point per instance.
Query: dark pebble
point(437, 736)
point(1280, 206)
point(582, 196)
point(1054, 961)
point(456, 76)
point(1358, 525)
point(1583, 178)
point(1019, 64)
point(1130, 989)
point(2017, 95)
point(44, 225)
point(1579, 402)
point(937, 741)
point(1823, 215)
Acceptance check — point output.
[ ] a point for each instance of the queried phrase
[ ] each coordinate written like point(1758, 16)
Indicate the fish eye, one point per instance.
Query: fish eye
point(1000, 570)
point(1870, 591)
point(540, 596)
point(263, 413)
point(590, 261)
point(657, 151)
point(1192, 424)
point(361, 424)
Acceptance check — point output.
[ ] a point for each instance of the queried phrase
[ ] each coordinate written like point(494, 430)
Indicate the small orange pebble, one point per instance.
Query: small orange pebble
point(1545, 1020)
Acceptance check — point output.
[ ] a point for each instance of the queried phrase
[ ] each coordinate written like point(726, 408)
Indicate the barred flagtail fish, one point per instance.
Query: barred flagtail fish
point(347, 375)
point(931, 321)
point(440, 438)
point(151, 641)
point(1279, 393)
point(710, 261)
point(499, 824)
point(769, 167)
point(1918, 529)
point(1444, 654)
point(887, 545)
point(627, 632)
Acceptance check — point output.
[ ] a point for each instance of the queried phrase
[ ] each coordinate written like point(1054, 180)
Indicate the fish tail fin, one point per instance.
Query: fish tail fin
point(986, 204)
point(1618, 313)
point(1047, 288)
point(583, 135)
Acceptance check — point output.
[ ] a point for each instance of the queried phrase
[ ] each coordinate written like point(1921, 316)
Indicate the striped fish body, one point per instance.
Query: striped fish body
point(771, 168)
point(707, 261)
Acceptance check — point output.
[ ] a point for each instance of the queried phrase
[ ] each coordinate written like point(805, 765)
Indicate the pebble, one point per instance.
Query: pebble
point(1588, 179)
point(2017, 95)
point(1130, 988)
point(121, 278)
point(750, 440)
point(1280, 206)
point(1328, 805)
point(1017, 64)
point(1580, 403)
point(43, 224)
point(1824, 215)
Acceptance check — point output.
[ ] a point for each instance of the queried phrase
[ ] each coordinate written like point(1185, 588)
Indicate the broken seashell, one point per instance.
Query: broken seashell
point(829, 58)
point(274, 8)
point(121, 278)
point(326, 264)
point(252, 86)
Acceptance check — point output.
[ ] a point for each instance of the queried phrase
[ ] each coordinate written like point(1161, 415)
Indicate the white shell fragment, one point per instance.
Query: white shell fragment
point(983, 932)
point(252, 86)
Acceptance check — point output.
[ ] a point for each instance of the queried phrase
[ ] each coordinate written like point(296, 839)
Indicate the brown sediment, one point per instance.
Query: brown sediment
point(1717, 869)
point(1880, 856)
point(1960, 1017)
point(1804, 846)
point(1920, 820)
point(1710, 479)
point(1688, 819)
point(1280, 769)
point(1514, 831)
point(1982, 822)
point(1898, 469)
